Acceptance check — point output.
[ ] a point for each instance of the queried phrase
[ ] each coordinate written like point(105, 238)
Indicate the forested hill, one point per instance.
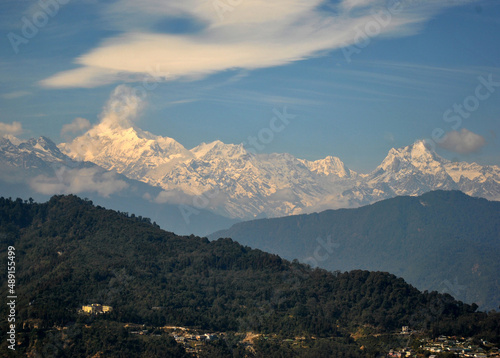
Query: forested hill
point(442, 240)
point(70, 253)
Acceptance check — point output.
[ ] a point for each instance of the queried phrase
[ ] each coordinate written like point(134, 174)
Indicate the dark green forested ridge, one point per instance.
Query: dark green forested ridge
point(442, 240)
point(70, 253)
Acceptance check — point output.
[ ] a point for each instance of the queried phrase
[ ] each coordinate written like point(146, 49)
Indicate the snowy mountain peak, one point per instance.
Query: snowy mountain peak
point(43, 148)
point(126, 150)
point(329, 166)
point(420, 147)
point(40, 153)
point(218, 148)
point(42, 143)
point(417, 155)
point(422, 152)
point(11, 139)
point(5, 142)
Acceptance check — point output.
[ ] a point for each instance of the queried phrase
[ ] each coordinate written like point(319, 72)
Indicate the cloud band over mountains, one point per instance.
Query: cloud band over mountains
point(234, 35)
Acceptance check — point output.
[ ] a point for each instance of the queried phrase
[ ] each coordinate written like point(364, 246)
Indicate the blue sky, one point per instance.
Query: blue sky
point(360, 76)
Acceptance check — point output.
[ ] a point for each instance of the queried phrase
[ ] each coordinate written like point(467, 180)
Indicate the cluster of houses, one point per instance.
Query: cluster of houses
point(96, 308)
point(405, 352)
point(192, 341)
point(460, 347)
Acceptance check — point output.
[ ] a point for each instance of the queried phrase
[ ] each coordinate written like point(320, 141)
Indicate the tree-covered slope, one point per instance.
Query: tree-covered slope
point(442, 240)
point(69, 253)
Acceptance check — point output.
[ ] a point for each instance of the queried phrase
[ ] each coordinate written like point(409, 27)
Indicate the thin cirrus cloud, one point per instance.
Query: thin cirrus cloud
point(251, 35)
point(351, 4)
point(15, 94)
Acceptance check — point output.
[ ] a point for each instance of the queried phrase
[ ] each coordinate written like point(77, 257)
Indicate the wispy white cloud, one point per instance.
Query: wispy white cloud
point(79, 180)
point(15, 128)
point(181, 101)
point(173, 197)
point(254, 34)
point(123, 107)
point(388, 136)
point(352, 4)
point(121, 110)
point(15, 94)
point(86, 77)
point(416, 76)
point(251, 96)
point(79, 124)
point(462, 142)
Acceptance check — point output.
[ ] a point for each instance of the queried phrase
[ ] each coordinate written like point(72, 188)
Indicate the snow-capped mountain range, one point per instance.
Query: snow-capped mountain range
point(37, 168)
point(229, 180)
